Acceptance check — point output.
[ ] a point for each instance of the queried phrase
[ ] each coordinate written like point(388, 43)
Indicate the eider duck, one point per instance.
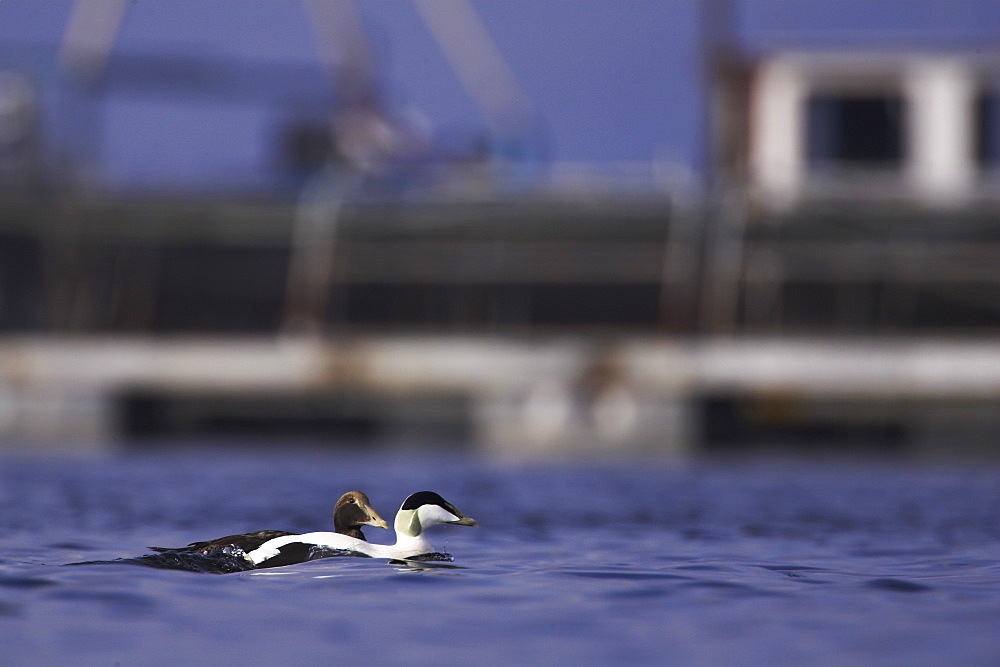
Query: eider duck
point(418, 512)
point(351, 512)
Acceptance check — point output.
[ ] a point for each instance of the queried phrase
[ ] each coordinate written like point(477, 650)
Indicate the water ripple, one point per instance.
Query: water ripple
point(614, 574)
point(26, 582)
point(897, 585)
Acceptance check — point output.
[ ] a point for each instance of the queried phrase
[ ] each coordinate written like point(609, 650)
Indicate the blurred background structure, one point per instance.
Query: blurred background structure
point(526, 228)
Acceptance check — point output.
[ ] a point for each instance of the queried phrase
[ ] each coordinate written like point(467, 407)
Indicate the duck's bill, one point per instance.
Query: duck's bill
point(464, 521)
point(377, 521)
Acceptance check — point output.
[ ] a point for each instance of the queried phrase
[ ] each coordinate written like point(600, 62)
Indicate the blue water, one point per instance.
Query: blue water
point(583, 564)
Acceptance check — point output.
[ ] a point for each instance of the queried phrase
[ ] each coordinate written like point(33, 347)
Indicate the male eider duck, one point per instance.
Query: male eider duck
point(351, 512)
point(419, 512)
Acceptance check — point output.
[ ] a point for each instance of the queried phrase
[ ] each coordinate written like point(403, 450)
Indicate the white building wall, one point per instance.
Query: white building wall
point(939, 91)
point(776, 154)
point(941, 94)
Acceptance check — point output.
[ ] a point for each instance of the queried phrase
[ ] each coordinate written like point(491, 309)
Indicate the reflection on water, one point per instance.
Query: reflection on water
point(587, 564)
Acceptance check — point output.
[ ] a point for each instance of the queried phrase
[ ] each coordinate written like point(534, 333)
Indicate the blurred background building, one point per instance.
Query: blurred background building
point(546, 227)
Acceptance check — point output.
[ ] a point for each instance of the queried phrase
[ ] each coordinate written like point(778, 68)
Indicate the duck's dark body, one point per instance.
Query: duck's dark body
point(246, 542)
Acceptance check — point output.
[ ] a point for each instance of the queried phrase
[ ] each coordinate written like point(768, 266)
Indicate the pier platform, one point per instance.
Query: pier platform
point(505, 396)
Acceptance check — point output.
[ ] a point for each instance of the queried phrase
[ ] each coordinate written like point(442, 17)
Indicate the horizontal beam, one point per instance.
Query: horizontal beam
point(483, 366)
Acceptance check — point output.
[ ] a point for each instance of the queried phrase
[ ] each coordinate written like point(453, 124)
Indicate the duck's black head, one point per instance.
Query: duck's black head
point(424, 509)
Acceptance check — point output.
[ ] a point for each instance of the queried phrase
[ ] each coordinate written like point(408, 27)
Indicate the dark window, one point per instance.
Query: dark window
point(988, 130)
point(855, 131)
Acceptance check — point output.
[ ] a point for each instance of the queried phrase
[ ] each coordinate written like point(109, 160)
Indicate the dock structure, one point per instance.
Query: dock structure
point(552, 263)
point(528, 326)
point(802, 246)
point(502, 396)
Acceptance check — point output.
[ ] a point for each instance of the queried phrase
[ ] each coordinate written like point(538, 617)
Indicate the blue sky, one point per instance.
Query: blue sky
point(610, 81)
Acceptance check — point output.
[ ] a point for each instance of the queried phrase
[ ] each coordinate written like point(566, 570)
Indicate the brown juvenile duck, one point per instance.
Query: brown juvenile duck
point(351, 512)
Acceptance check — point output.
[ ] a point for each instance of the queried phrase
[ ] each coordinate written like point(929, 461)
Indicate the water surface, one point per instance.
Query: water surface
point(587, 564)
